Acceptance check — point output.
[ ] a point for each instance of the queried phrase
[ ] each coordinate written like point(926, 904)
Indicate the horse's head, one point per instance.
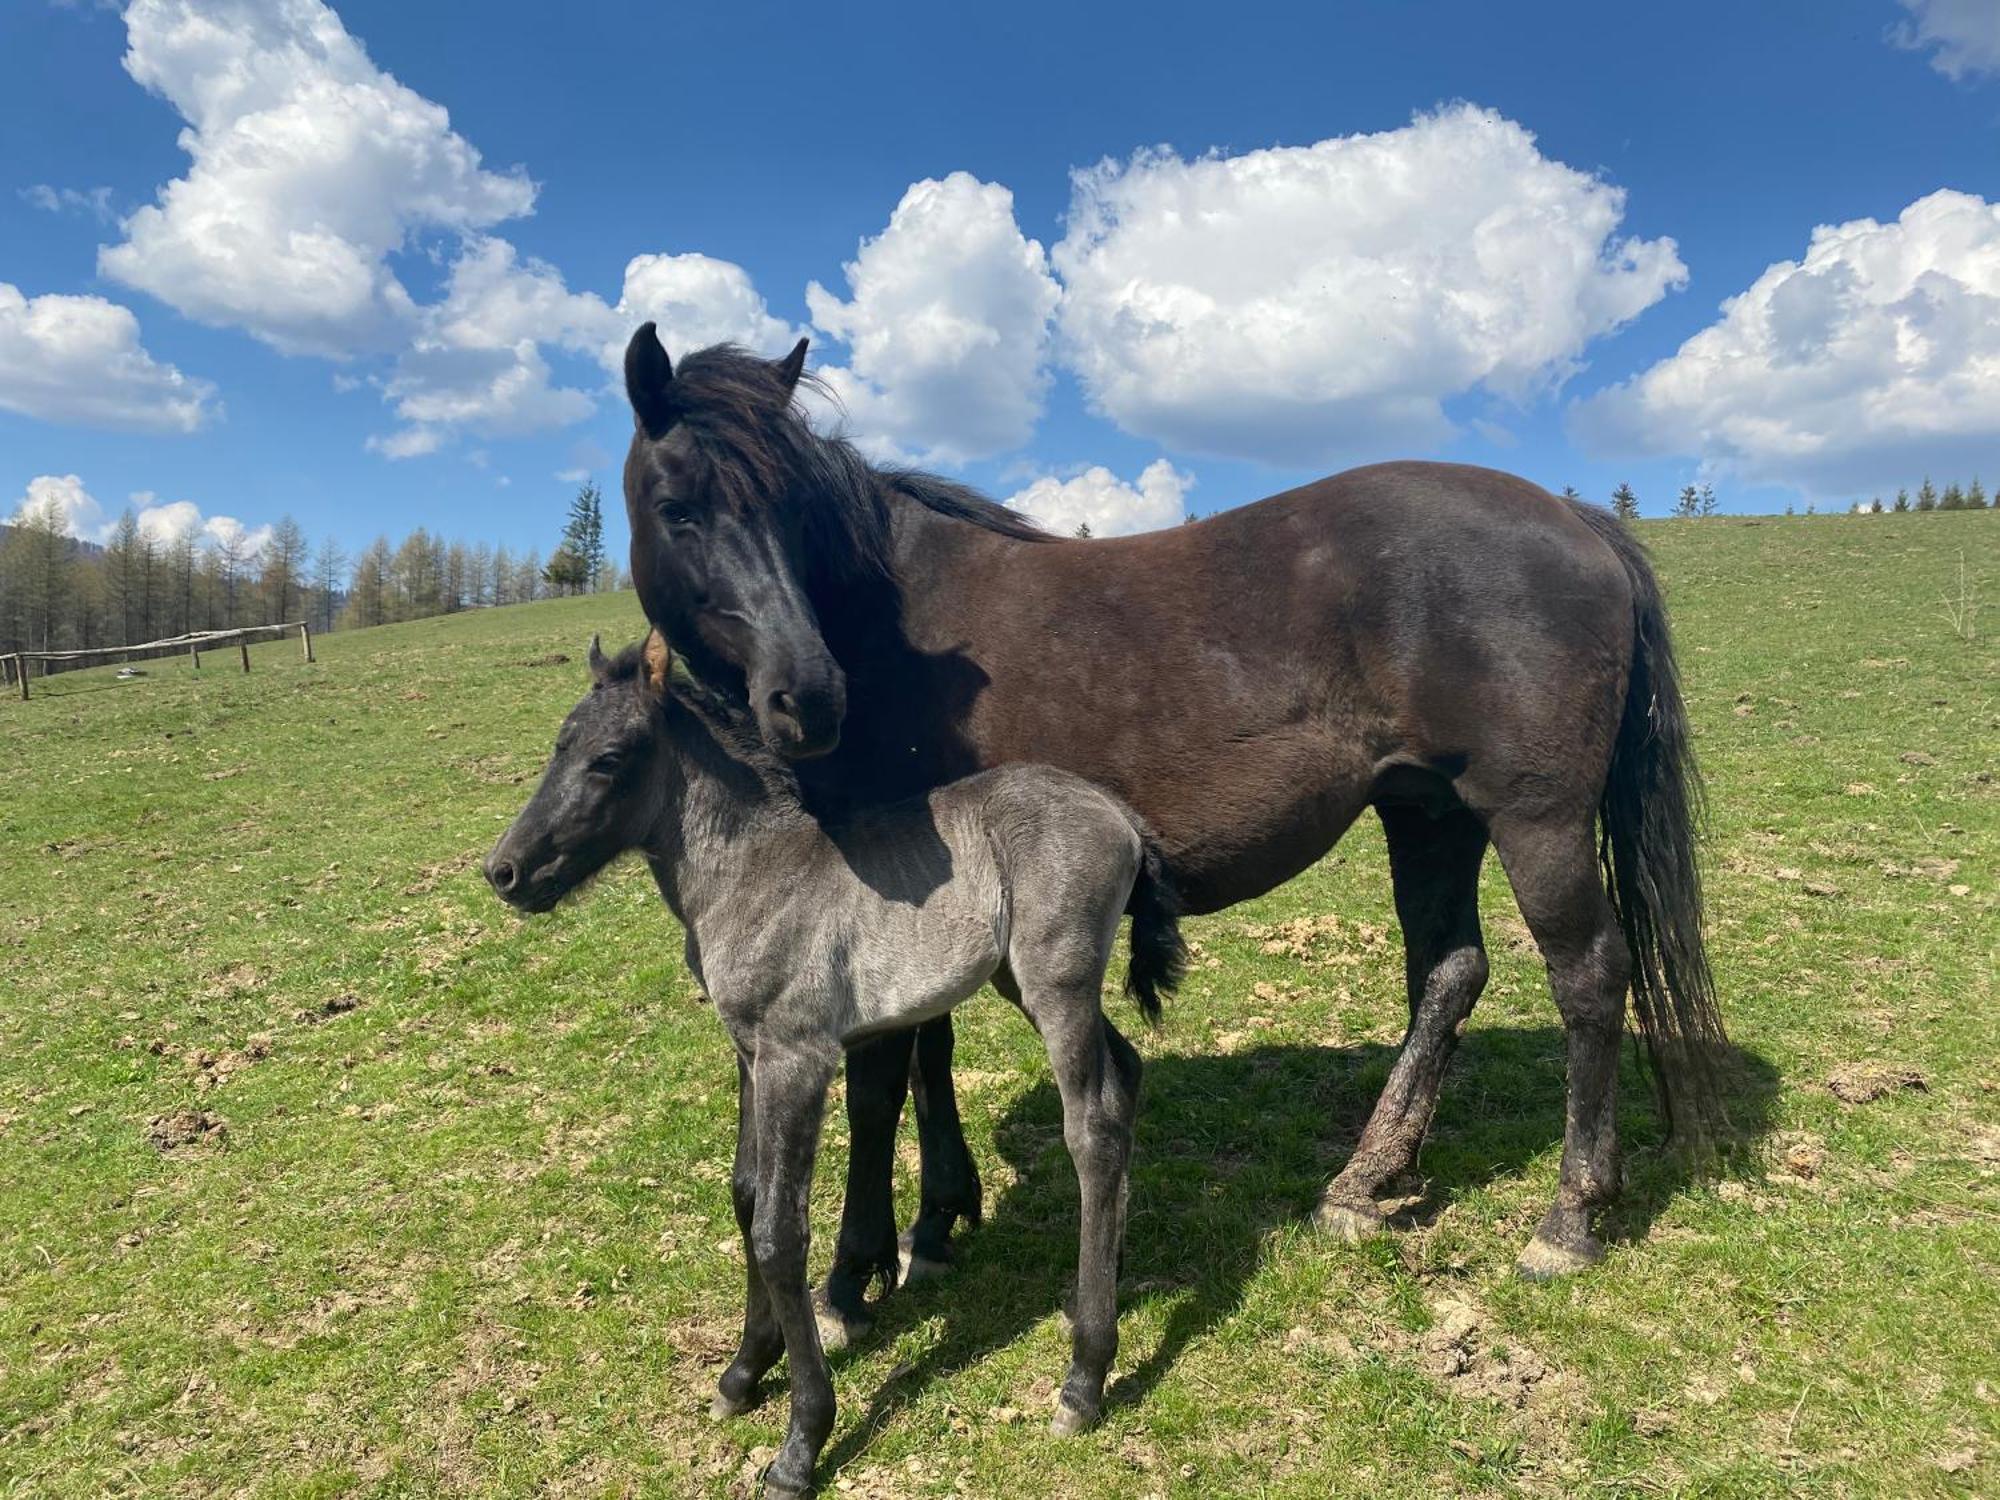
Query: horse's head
point(719, 530)
point(598, 796)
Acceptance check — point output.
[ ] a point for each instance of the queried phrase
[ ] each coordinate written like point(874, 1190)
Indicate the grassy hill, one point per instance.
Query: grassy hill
point(324, 1175)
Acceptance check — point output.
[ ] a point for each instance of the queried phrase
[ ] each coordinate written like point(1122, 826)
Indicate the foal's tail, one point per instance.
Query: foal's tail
point(1650, 818)
point(1159, 957)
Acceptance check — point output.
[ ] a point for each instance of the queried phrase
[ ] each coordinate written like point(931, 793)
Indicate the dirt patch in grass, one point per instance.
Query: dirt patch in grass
point(185, 1127)
point(1865, 1082)
point(326, 1010)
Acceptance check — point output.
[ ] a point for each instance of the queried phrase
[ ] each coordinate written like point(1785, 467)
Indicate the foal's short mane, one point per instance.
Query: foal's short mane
point(731, 727)
point(756, 443)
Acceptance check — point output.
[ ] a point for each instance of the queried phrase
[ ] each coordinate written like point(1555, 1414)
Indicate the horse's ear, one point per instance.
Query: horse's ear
point(659, 661)
point(599, 665)
point(648, 375)
point(793, 365)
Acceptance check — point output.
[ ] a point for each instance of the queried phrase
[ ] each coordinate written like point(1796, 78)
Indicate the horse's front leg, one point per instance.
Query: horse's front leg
point(878, 1074)
point(790, 1087)
point(950, 1177)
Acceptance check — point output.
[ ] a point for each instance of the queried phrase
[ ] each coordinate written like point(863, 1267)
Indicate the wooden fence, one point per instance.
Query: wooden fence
point(192, 644)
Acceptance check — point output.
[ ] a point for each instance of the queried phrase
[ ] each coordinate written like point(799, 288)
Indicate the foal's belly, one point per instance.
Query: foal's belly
point(910, 964)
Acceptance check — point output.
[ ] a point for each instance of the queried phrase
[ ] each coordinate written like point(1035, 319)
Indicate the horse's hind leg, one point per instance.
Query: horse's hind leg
point(1097, 1074)
point(950, 1177)
point(762, 1341)
point(1554, 872)
point(878, 1073)
point(1434, 863)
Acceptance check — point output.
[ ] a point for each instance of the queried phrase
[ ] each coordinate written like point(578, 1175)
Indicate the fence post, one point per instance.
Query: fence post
point(244, 645)
point(306, 639)
point(21, 671)
point(194, 654)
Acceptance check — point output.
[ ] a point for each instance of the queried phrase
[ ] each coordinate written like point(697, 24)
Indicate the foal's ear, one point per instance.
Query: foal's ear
point(600, 665)
point(658, 659)
point(648, 374)
point(793, 365)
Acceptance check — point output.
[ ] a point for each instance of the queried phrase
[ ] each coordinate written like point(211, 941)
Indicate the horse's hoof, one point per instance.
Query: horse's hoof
point(1352, 1222)
point(1545, 1260)
point(723, 1407)
point(1069, 1420)
point(921, 1267)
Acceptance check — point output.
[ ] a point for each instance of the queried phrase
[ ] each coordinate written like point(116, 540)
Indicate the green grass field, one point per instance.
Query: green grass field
point(321, 1174)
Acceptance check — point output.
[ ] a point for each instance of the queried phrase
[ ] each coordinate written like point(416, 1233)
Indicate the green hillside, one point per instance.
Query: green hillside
point(325, 1175)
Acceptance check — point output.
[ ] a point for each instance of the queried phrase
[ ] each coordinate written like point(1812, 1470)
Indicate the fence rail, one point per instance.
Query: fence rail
point(194, 642)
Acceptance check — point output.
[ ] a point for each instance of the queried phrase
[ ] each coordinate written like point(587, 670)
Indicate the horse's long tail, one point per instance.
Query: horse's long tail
point(1650, 819)
point(1159, 956)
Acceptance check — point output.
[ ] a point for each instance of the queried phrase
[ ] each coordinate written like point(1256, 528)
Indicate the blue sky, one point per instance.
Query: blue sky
point(1300, 325)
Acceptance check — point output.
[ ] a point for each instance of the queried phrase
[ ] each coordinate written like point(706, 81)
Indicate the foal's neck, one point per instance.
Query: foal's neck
point(728, 808)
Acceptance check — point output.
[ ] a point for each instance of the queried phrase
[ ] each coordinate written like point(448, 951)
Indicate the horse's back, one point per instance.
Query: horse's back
point(1251, 682)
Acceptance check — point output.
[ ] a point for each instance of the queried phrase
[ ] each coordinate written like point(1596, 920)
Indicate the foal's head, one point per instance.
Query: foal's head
point(599, 796)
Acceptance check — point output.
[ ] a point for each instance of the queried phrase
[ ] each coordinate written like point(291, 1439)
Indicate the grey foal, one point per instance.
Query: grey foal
point(811, 938)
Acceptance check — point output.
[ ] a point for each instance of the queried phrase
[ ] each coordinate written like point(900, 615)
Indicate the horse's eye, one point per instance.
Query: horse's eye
point(608, 763)
point(676, 513)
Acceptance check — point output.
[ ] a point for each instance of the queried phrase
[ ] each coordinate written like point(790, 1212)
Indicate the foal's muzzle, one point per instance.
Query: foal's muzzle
point(513, 884)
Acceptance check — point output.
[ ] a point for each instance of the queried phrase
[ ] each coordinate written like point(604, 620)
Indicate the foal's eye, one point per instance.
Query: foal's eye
point(608, 763)
point(676, 513)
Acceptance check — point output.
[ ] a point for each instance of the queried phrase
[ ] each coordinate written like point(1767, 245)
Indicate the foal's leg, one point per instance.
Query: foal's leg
point(950, 1177)
point(1434, 863)
point(878, 1080)
point(1553, 868)
point(791, 1084)
point(762, 1341)
point(1097, 1073)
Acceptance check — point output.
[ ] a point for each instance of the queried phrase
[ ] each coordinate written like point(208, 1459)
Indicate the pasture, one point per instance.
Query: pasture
point(325, 1175)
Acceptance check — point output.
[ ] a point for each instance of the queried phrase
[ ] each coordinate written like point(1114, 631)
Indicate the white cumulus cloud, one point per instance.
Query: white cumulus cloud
point(78, 513)
point(309, 166)
point(63, 500)
point(166, 522)
point(1875, 357)
point(1109, 506)
point(1962, 36)
point(477, 359)
point(79, 360)
point(946, 326)
point(697, 300)
point(1302, 304)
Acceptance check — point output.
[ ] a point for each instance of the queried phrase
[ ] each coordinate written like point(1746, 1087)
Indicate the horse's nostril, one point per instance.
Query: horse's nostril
point(784, 703)
point(503, 875)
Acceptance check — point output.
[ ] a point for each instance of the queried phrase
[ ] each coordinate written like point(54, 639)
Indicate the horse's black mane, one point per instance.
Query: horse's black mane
point(756, 443)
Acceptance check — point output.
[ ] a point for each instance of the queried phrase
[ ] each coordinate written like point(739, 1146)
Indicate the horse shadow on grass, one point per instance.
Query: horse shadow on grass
point(1231, 1148)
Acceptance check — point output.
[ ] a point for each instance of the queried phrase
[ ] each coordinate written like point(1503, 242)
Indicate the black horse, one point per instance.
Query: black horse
point(1478, 660)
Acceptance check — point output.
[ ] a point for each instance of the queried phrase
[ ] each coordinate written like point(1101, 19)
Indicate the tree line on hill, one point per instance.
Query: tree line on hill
point(1696, 502)
point(59, 593)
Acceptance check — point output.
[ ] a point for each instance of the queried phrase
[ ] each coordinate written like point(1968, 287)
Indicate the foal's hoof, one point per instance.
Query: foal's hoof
point(770, 1485)
point(1070, 1420)
point(1352, 1222)
point(723, 1407)
point(1545, 1259)
point(839, 1330)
